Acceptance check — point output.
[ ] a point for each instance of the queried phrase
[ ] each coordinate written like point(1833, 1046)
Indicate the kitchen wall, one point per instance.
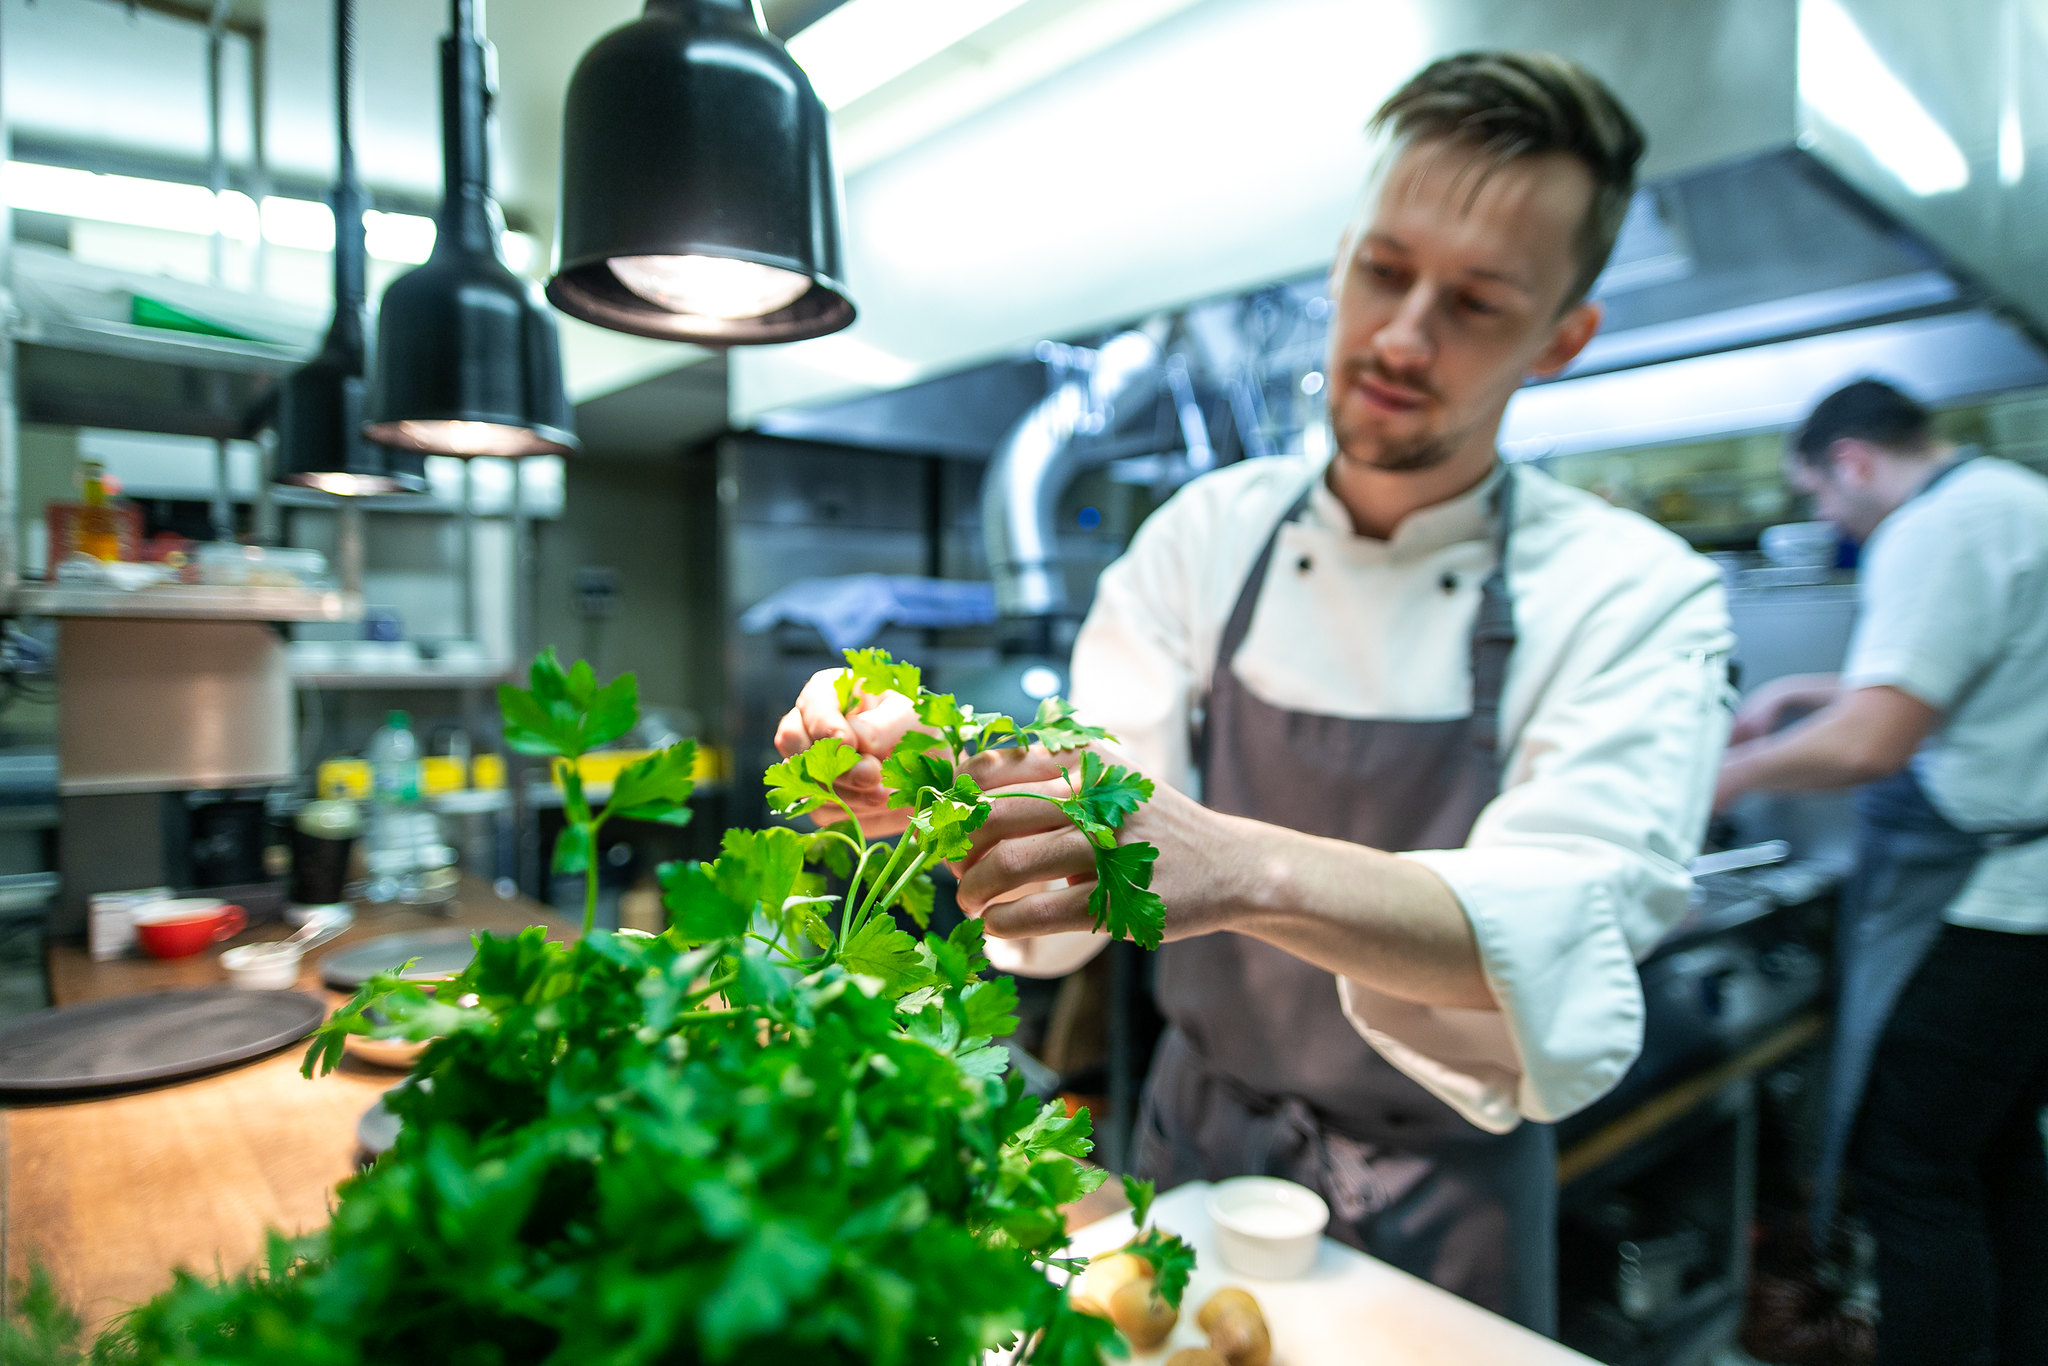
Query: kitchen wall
point(653, 524)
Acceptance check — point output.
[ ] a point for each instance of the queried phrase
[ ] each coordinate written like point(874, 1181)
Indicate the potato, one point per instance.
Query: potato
point(1196, 1356)
point(1236, 1328)
point(1104, 1277)
point(1140, 1314)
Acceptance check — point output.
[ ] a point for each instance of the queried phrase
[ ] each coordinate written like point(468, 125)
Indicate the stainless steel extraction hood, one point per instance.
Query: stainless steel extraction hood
point(1739, 293)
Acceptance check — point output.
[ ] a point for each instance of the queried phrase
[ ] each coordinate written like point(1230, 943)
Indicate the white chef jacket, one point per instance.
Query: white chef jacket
point(1613, 719)
point(1954, 610)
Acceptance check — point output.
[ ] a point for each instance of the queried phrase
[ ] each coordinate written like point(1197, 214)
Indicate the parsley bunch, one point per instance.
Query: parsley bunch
point(784, 1129)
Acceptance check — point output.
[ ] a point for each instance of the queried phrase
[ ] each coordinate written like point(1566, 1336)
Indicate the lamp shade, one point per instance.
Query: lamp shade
point(468, 359)
point(319, 429)
point(699, 201)
point(320, 405)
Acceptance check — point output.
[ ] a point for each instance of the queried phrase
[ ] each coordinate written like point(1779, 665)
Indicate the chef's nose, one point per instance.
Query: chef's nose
point(1404, 343)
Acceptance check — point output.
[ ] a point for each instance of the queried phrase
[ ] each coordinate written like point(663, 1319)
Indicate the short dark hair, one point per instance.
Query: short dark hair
point(1867, 410)
point(1513, 105)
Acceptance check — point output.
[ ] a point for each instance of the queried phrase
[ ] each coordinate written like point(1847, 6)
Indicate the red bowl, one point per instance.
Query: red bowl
point(179, 929)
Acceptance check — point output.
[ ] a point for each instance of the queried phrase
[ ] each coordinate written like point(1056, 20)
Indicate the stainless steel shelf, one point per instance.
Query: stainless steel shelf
point(192, 602)
point(105, 374)
point(424, 676)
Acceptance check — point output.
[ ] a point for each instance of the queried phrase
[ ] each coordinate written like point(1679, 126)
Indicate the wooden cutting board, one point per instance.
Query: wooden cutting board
point(1348, 1308)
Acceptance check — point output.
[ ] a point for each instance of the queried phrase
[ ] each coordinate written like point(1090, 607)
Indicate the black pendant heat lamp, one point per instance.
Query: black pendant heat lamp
point(320, 405)
point(468, 359)
point(699, 202)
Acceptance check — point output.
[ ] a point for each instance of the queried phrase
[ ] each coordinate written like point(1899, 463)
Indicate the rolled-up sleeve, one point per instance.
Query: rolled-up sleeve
point(1578, 867)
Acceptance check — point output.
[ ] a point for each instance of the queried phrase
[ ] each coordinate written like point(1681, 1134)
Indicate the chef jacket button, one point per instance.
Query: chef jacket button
point(1303, 565)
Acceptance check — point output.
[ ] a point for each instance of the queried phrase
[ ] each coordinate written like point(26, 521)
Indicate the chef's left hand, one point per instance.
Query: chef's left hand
point(1030, 842)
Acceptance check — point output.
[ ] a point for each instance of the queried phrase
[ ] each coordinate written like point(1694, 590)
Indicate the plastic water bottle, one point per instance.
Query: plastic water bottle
point(393, 855)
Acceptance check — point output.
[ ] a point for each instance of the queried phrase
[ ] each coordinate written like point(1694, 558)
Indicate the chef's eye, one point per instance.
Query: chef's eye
point(1476, 306)
point(1383, 273)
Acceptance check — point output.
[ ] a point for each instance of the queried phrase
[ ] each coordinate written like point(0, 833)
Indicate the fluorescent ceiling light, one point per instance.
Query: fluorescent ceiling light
point(865, 44)
point(1844, 80)
point(2012, 147)
point(849, 357)
point(172, 206)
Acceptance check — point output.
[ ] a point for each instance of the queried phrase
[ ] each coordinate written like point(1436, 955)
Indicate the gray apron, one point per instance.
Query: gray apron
point(1911, 863)
point(1260, 1072)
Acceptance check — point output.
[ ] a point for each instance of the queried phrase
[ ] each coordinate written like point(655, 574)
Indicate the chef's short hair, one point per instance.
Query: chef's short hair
point(1867, 410)
point(1513, 105)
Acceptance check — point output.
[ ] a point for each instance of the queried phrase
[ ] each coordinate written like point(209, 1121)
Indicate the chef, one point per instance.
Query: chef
point(1454, 727)
point(1940, 1066)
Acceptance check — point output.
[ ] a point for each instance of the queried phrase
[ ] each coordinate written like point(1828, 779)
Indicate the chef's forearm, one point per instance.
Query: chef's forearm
point(1388, 923)
point(1830, 750)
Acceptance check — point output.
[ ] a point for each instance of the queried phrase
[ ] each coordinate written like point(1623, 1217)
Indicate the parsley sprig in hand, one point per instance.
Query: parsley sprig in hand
point(926, 774)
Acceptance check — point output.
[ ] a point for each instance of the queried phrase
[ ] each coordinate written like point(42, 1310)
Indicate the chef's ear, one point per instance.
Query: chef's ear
point(1568, 337)
point(1852, 462)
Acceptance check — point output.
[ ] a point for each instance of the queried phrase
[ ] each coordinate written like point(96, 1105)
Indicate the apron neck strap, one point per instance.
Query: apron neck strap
point(1493, 629)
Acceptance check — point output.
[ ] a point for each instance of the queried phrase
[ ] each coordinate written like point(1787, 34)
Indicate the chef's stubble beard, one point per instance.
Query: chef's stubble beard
point(1394, 457)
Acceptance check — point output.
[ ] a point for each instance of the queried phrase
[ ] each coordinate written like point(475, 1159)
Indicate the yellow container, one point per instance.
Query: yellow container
point(345, 778)
point(601, 768)
point(487, 772)
point(441, 773)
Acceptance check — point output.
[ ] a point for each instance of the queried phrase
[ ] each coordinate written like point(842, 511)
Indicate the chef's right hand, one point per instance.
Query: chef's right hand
point(873, 727)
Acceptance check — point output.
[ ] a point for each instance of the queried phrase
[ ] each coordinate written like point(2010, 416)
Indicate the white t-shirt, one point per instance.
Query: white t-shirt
point(1612, 722)
point(1954, 610)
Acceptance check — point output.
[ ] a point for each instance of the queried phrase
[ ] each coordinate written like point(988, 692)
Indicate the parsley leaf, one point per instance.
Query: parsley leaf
point(947, 824)
point(872, 673)
point(1108, 793)
point(1056, 728)
point(803, 782)
point(759, 867)
point(879, 949)
point(1140, 1194)
point(567, 714)
point(1123, 902)
point(656, 788)
point(697, 907)
point(1171, 1261)
point(827, 846)
point(915, 775)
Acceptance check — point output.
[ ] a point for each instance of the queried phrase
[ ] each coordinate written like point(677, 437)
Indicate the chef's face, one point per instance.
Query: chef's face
point(1450, 291)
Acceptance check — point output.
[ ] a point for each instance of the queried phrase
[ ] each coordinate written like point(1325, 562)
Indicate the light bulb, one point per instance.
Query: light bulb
point(710, 286)
point(463, 438)
point(348, 485)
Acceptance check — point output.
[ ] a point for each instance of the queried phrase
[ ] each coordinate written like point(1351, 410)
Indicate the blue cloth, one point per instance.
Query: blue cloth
point(848, 611)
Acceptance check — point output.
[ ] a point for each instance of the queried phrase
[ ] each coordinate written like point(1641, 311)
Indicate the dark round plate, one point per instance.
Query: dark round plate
point(441, 953)
point(139, 1040)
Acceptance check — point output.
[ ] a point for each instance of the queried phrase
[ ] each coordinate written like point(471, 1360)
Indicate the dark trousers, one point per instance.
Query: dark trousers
point(1949, 1160)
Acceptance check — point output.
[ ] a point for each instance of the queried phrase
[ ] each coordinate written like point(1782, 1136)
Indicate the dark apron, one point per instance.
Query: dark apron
point(1911, 864)
point(1260, 1072)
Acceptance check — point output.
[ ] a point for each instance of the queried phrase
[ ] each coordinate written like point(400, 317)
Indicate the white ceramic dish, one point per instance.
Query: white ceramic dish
point(1800, 545)
point(1266, 1227)
point(262, 967)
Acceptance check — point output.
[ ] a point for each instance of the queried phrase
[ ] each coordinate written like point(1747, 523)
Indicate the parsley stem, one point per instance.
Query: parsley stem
point(710, 989)
point(917, 865)
point(590, 874)
point(867, 905)
point(722, 1013)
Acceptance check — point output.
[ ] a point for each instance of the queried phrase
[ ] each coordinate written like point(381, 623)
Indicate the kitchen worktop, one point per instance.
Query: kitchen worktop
point(1348, 1307)
point(111, 1193)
